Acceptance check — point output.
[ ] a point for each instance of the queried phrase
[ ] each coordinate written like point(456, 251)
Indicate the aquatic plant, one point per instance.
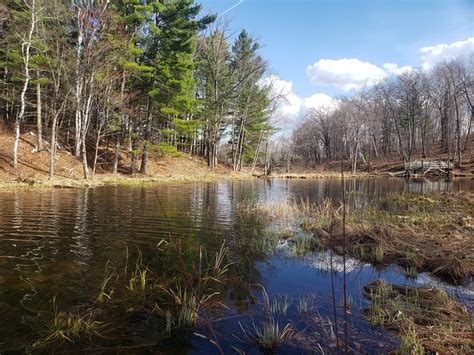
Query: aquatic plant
point(376, 312)
point(304, 304)
point(302, 246)
point(348, 303)
point(269, 335)
point(138, 280)
point(411, 272)
point(283, 211)
point(379, 254)
point(68, 326)
point(220, 267)
point(188, 306)
point(169, 322)
point(105, 294)
point(279, 305)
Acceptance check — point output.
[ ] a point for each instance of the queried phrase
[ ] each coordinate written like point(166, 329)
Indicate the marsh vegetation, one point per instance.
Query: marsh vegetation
point(432, 232)
point(427, 318)
point(420, 233)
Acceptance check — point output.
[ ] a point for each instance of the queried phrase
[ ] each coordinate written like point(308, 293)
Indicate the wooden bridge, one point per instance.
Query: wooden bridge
point(423, 167)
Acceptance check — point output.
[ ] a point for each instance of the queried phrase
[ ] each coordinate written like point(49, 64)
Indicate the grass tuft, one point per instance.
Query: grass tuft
point(71, 327)
point(280, 305)
point(270, 336)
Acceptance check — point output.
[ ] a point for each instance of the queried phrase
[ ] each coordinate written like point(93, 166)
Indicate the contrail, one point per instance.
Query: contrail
point(231, 8)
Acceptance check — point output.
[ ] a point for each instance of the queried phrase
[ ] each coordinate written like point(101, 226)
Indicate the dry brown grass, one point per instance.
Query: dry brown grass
point(428, 319)
point(432, 232)
point(287, 210)
point(424, 233)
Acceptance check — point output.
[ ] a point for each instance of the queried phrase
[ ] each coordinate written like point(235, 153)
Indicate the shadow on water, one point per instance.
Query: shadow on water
point(55, 244)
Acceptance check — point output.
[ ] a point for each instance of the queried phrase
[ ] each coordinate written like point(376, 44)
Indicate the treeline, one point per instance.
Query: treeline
point(418, 112)
point(141, 76)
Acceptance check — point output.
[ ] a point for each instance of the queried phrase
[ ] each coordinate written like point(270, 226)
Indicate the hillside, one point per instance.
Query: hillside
point(34, 166)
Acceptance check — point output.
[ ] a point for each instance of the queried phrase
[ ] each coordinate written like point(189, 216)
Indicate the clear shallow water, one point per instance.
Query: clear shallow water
point(57, 242)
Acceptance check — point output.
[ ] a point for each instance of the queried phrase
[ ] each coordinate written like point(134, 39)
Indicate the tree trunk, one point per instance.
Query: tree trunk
point(469, 129)
point(354, 159)
point(144, 159)
point(52, 148)
point(257, 152)
point(96, 152)
point(84, 159)
point(117, 152)
point(267, 168)
point(26, 59)
point(458, 132)
point(79, 87)
point(118, 135)
point(241, 152)
point(134, 156)
point(444, 130)
point(38, 117)
point(144, 163)
point(17, 141)
point(288, 158)
point(85, 125)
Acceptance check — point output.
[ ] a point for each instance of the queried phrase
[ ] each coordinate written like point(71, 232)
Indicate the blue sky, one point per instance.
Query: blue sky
point(298, 33)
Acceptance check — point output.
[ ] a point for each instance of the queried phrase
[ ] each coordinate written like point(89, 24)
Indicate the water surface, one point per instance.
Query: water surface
point(55, 243)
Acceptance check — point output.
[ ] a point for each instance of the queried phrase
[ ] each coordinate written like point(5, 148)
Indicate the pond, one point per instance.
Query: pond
point(56, 245)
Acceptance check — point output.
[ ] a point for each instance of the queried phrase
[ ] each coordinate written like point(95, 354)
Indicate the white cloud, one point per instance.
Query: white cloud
point(433, 55)
point(319, 101)
point(394, 69)
point(290, 103)
point(292, 107)
point(352, 73)
point(346, 74)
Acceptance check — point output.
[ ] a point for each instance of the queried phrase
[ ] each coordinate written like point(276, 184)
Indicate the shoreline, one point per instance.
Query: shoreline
point(20, 182)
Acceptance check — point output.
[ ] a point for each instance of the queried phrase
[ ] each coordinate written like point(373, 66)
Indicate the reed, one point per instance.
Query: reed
point(409, 230)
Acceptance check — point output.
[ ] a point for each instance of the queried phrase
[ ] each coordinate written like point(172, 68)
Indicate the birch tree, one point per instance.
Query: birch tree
point(26, 54)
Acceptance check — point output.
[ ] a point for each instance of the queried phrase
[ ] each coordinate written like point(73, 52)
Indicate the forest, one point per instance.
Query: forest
point(159, 77)
point(417, 113)
point(151, 77)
